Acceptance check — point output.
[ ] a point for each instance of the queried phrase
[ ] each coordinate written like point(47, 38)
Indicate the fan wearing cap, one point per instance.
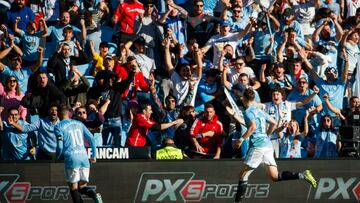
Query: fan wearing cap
point(333, 86)
point(22, 74)
point(98, 58)
point(145, 63)
point(200, 26)
point(217, 42)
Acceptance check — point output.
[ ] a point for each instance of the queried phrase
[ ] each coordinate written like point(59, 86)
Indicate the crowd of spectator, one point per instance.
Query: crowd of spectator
point(141, 72)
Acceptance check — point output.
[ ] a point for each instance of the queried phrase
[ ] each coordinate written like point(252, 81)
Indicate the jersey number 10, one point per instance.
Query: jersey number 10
point(76, 137)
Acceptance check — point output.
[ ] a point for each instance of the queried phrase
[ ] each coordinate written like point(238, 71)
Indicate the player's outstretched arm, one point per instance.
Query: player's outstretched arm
point(272, 126)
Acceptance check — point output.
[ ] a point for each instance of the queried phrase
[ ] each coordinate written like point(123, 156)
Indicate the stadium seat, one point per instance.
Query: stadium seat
point(112, 48)
point(44, 65)
point(84, 68)
point(106, 33)
point(50, 49)
point(91, 79)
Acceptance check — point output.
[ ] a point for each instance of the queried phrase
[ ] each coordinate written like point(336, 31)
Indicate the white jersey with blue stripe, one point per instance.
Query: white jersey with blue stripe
point(259, 138)
point(70, 134)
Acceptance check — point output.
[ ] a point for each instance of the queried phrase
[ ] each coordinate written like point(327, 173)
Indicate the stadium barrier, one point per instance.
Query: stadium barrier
point(181, 181)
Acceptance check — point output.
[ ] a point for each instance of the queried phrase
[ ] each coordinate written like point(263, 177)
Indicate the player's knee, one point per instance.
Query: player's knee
point(274, 177)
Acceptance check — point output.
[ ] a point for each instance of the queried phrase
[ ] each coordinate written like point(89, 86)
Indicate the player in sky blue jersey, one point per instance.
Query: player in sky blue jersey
point(260, 148)
point(70, 134)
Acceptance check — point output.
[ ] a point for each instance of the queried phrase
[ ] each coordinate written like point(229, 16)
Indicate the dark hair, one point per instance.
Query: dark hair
point(30, 23)
point(320, 14)
point(235, 6)
point(143, 106)
point(166, 140)
point(249, 94)
point(130, 58)
point(68, 28)
point(332, 123)
point(208, 105)
point(170, 96)
point(184, 111)
point(63, 110)
point(353, 97)
point(243, 75)
point(196, 1)
point(13, 108)
point(17, 89)
point(290, 29)
point(279, 89)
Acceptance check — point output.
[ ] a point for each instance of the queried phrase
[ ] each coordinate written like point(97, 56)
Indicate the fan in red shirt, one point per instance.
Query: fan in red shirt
point(206, 133)
point(142, 124)
point(126, 13)
point(139, 82)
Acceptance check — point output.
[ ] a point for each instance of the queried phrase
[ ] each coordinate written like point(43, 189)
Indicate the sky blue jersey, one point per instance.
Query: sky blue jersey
point(15, 144)
point(70, 134)
point(259, 138)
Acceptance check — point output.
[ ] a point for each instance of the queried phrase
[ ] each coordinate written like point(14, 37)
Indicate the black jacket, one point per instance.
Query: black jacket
point(57, 66)
point(40, 100)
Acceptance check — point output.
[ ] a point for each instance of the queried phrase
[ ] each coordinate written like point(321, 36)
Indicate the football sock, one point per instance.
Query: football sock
point(287, 175)
point(241, 189)
point(76, 196)
point(88, 191)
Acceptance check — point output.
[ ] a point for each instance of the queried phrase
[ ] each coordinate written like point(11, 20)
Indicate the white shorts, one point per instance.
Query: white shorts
point(74, 175)
point(258, 155)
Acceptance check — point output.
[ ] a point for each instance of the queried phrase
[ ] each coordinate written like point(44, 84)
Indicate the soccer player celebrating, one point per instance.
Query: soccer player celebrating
point(70, 134)
point(260, 149)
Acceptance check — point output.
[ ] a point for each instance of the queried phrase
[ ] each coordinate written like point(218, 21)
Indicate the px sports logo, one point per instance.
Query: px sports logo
point(181, 187)
point(21, 192)
point(338, 188)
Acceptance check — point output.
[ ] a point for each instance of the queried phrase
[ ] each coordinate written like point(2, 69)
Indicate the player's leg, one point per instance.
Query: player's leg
point(72, 178)
point(252, 161)
point(243, 182)
point(84, 189)
point(272, 171)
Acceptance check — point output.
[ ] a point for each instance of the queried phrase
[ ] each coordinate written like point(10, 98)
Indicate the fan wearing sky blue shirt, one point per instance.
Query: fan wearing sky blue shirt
point(70, 134)
point(46, 138)
point(260, 149)
point(16, 145)
point(333, 86)
point(22, 74)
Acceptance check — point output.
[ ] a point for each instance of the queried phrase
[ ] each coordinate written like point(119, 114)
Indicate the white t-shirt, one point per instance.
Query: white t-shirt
point(233, 75)
point(352, 5)
point(179, 87)
point(281, 113)
point(146, 64)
